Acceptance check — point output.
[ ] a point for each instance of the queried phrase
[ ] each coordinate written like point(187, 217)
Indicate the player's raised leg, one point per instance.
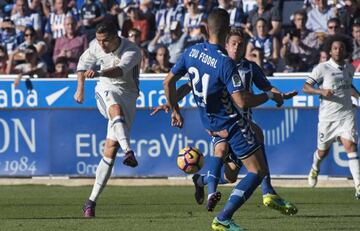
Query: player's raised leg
point(121, 132)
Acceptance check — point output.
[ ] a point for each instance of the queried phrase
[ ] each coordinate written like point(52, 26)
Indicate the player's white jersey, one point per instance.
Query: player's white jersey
point(127, 57)
point(329, 75)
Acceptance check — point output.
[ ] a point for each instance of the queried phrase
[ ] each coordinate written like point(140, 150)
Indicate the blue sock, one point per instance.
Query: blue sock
point(239, 195)
point(214, 174)
point(266, 186)
point(222, 180)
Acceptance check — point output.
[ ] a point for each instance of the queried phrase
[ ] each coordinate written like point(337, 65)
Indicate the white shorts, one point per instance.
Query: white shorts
point(329, 131)
point(109, 95)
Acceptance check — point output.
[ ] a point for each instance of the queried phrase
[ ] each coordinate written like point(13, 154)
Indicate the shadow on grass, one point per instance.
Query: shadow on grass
point(58, 218)
point(312, 216)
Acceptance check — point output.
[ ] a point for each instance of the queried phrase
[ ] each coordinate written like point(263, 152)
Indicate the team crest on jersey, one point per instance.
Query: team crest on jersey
point(236, 80)
point(116, 61)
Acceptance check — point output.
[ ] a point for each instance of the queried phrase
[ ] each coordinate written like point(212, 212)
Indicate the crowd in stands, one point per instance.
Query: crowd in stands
point(45, 38)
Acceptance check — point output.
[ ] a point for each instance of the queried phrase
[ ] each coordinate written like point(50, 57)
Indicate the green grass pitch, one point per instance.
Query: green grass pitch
point(168, 208)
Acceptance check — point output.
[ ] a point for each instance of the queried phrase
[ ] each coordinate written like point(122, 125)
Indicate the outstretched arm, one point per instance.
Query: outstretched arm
point(285, 95)
point(181, 92)
point(172, 98)
point(245, 99)
point(310, 89)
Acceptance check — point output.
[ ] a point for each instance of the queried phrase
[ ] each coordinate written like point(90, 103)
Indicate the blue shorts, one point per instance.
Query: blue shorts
point(241, 139)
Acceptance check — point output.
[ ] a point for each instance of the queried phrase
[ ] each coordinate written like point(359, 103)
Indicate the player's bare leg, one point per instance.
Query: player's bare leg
point(354, 163)
point(103, 173)
point(121, 132)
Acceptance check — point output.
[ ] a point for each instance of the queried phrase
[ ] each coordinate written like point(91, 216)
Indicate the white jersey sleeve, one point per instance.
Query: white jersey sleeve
point(129, 59)
point(316, 76)
point(86, 61)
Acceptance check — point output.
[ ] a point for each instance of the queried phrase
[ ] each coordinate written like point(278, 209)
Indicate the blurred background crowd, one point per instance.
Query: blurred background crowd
point(45, 38)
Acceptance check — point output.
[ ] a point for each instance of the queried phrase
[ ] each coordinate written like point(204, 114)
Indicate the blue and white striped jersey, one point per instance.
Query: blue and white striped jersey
point(250, 74)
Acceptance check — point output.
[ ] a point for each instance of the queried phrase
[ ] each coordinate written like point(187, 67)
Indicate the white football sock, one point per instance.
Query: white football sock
point(121, 132)
point(316, 161)
point(354, 166)
point(103, 173)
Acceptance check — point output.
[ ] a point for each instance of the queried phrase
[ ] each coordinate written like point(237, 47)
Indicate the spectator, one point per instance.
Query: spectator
point(25, 17)
point(8, 37)
point(91, 14)
point(319, 16)
point(356, 45)
point(135, 21)
point(61, 68)
point(107, 6)
point(122, 12)
point(31, 36)
point(134, 36)
point(55, 23)
point(146, 7)
point(111, 14)
point(72, 8)
point(193, 19)
point(162, 64)
point(145, 62)
point(323, 56)
point(176, 41)
point(307, 37)
point(32, 66)
point(172, 13)
point(292, 44)
point(333, 26)
point(266, 11)
point(263, 49)
point(41, 7)
point(3, 60)
point(71, 45)
point(237, 16)
point(207, 5)
point(348, 14)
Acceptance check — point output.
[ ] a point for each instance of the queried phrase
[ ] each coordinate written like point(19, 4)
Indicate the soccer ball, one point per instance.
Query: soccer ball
point(190, 160)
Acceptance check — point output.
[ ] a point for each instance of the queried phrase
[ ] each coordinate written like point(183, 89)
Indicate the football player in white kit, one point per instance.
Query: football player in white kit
point(337, 119)
point(116, 93)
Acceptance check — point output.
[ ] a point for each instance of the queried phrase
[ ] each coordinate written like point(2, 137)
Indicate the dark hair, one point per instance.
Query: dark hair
point(338, 38)
point(2, 48)
point(31, 29)
point(31, 48)
point(107, 27)
point(336, 20)
point(218, 21)
point(302, 13)
point(294, 33)
point(62, 60)
point(261, 19)
point(167, 54)
point(138, 32)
